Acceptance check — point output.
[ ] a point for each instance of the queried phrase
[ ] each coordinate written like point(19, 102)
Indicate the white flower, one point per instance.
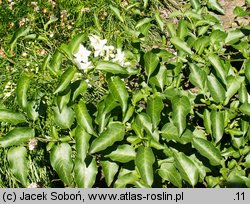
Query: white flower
point(109, 52)
point(120, 58)
point(98, 44)
point(82, 54)
point(32, 144)
point(33, 185)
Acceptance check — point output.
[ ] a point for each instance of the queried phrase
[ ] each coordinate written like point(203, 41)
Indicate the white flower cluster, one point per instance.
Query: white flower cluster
point(106, 52)
point(8, 89)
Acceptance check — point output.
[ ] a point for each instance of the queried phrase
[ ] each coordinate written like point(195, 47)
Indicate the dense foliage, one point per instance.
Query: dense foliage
point(137, 99)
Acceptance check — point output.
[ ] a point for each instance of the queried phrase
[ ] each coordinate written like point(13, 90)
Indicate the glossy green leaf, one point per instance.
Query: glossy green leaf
point(85, 176)
point(78, 87)
point(101, 118)
point(195, 4)
point(151, 62)
point(181, 45)
point(20, 32)
point(219, 68)
point(198, 77)
point(160, 78)
point(62, 163)
point(82, 143)
point(83, 118)
point(31, 110)
point(22, 89)
point(65, 79)
point(187, 168)
point(142, 22)
point(125, 179)
point(169, 173)
point(159, 21)
point(114, 132)
point(218, 36)
point(216, 90)
point(129, 113)
point(207, 121)
point(247, 70)
point(63, 99)
point(181, 107)
point(17, 136)
point(214, 5)
point(75, 42)
point(217, 118)
point(200, 44)
point(18, 164)
point(117, 13)
point(240, 12)
point(182, 30)
point(8, 116)
point(234, 36)
point(119, 92)
point(124, 153)
point(65, 118)
point(208, 150)
point(144, 161)
point(245, 108)
point(154, 108)
point(171, 29)
point(109, 169)
point(111, 67)
point(233, 85)
point(55, 63)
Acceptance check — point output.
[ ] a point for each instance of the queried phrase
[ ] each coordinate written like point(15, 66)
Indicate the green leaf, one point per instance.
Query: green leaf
point(240, 12)
point(154, 108)
point(55, 64)
point(109, 169)
point(65, 79)
point(207, 121)
point(195, 4)
point(160, 78)
point(201, 43)
point(159, 21)
point(82, 143)
point(216, 90)
point(65, 118)
point(21, 90)
point(119, 92)
point(214, 5)
point(171, 29)
point(125, 179)
point(124, 153)
point(151, 62)
point(63, 99)
point(181, 45)
point(218, 36)
point(219, 68)
point(117, 13)
point(181, 107)
point(75, 42)
point(182, 30)
point(111, 67)
point(17, 136)
point(83, 118)
point(142, 22)
point(233, 85)
point(31, 110)
point(114, 132)
point(78, 87)
point(187, 168)
point(245, 108)
point(8, 116)
point(110, 102)
point(143, 121)
point(61, 161)
point(144, 161)
point(170, 133)
point(169, 173)
point(85, 176)
point(247, 70)
point(217, 118)
point(20, 32)
point(208, 150)
point(234, 36)
point(198, 77)
point(18, 164)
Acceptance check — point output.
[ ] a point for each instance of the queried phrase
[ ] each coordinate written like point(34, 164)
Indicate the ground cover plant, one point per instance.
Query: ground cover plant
point(124, 94)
